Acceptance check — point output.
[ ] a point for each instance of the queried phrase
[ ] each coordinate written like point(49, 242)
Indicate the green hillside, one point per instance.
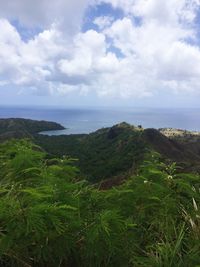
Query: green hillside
point(103, 154)
point(114, 152)
point(118, 150)
point(20, 128)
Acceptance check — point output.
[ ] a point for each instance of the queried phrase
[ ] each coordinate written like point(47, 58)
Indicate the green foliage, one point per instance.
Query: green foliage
point(50, 217)
point(102, 154)
point(26, 126)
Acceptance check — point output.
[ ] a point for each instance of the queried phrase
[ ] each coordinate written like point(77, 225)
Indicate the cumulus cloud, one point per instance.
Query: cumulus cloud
point(164, 11)
point(103, 21)
point(153, 47)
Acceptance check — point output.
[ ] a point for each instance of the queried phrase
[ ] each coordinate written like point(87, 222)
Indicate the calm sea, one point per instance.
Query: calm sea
point(88, 120)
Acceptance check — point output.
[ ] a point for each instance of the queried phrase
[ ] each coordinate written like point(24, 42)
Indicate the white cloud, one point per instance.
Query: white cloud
point(169, 11)
point(87, 46)
point(103, 21)
point(123, 58)
point(181, 62)
point(158, 54)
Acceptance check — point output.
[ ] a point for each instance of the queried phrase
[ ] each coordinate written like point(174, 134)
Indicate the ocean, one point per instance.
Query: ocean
point(87, 120)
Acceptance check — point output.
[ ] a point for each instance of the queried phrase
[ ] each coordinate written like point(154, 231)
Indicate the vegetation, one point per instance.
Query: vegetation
point(50, 217)
point(16, 127)
point(112, 152)
point(102, 154)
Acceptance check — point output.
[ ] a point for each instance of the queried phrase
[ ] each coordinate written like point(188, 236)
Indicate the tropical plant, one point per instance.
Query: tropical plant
point(51, 217)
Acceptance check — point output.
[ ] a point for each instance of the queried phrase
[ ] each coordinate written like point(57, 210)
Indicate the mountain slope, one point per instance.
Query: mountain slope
point(21, 128)
point(113, 152)
point(170, 148)
point(102, 154)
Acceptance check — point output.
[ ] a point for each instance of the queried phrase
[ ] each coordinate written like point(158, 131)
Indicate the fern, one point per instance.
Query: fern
point(50, 217)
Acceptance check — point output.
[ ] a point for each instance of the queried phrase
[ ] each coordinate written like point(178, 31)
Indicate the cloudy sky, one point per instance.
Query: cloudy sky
point(100, 52)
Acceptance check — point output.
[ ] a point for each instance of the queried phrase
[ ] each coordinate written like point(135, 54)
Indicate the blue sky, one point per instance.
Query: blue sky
point(100, 53)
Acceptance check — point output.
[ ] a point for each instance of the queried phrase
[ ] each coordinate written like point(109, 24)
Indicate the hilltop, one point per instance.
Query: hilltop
point(180, 135)
point(119, 149)
point(114, 152)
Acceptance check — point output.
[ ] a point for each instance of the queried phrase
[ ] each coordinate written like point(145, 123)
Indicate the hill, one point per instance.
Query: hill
point(118, 150)
point(102, 154)
point(113, 152)
point(139, 210)
point(21, 128)
point(190, 139)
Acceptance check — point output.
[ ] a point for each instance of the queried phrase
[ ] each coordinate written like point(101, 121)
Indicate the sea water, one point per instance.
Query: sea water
point(87, 120)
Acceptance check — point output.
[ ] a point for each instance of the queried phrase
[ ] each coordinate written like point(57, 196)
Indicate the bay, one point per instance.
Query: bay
point(87, 120)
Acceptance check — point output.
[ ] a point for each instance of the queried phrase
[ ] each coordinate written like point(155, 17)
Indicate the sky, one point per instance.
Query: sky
point(100, 53)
